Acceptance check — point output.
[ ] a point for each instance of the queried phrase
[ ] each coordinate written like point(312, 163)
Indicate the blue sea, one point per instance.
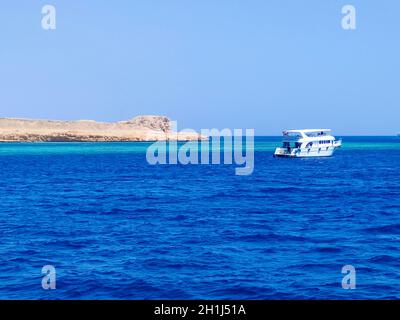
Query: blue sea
point(115, 227)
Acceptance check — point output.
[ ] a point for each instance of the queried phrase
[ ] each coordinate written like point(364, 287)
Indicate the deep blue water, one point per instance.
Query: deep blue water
point(116, 227)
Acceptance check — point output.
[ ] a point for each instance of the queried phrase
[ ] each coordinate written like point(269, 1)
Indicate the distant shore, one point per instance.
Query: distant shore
point(141, 128)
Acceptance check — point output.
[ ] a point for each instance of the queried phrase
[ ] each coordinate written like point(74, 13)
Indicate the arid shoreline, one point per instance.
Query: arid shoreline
point(141, 128)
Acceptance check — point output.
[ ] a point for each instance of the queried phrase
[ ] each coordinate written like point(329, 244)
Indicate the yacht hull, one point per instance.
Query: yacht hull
point(304, 153)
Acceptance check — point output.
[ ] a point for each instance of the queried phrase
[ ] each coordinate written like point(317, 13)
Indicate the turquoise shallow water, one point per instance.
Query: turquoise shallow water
point(116, 227)
point(267, 144)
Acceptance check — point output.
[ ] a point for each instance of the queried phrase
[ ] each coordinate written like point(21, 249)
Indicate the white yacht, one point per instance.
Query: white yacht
point(308, 143)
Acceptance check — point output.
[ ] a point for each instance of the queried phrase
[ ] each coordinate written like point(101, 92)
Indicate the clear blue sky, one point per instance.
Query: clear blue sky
point(268, 64)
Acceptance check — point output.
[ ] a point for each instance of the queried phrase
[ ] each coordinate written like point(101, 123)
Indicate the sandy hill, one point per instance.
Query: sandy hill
point(141, 128)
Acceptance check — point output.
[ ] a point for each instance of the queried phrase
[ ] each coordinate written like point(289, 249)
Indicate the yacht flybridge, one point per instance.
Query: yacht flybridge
point(308, 143)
